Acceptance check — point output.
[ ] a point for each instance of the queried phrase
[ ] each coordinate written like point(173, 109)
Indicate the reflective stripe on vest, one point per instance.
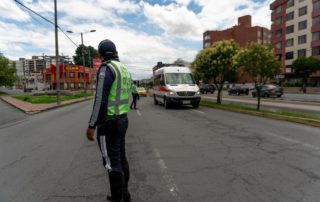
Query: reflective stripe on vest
point(119, 93)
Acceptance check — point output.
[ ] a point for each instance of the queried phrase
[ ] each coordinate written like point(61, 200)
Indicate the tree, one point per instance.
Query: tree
point(88, 51)
point(216, 62)
point(304, 67)
point(7, 72)
point(258, 61)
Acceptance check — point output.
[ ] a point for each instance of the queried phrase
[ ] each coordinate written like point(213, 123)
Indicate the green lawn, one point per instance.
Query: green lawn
point(45, 99)
point(253, 110)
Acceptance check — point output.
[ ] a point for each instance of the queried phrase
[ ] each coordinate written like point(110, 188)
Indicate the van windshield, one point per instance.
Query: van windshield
point(179, 78)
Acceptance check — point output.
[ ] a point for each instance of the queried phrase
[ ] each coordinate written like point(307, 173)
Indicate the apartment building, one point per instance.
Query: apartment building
point(295, 32)
point(243, 33)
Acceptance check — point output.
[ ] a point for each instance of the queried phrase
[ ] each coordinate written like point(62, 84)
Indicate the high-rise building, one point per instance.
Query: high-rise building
point(295, 32)
point(243, 33)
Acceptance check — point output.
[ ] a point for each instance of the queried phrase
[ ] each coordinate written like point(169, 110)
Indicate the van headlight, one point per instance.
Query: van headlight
point(198, 92)
point(171, 93)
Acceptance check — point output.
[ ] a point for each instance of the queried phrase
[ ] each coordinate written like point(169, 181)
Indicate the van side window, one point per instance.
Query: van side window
point(157, 80)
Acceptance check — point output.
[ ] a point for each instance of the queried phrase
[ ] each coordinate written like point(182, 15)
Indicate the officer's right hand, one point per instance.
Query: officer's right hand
point(90, 134)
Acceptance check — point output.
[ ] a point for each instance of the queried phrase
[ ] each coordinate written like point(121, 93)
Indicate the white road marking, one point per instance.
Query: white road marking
point(294, 141)
point(139, 113)
point(201, 112)
point(167, 178)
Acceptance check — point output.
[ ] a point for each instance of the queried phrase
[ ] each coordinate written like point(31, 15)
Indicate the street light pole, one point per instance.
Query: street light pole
point(83, 64)
point(57, 52)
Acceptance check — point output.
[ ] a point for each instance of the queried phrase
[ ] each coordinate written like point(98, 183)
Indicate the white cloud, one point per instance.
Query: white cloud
point(9, 10)
point(176, 21)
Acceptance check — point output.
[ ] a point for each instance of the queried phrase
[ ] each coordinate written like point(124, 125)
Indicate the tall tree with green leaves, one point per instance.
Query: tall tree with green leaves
point(89, 53)
point(304, 67)
point(7, 72)
point(258, 61)
point(215, 62)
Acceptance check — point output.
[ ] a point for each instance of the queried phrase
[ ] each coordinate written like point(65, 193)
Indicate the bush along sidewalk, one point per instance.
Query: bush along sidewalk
point(286, 116)
point(46, 99)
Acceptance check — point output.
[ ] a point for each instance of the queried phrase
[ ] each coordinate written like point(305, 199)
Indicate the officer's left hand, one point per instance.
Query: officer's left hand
point(90, 134)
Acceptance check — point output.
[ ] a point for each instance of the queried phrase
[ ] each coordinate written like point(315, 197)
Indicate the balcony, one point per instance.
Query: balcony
point(315, 43)
point(315, 28)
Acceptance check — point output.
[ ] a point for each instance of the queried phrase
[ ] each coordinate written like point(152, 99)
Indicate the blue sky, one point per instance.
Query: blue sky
point(144, 31)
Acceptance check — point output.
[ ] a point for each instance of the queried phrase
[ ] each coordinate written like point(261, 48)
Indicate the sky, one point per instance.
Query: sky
point(144, 31)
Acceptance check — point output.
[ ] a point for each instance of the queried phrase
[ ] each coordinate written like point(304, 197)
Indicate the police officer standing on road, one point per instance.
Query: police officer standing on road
point(135, 95)
point(109, 115)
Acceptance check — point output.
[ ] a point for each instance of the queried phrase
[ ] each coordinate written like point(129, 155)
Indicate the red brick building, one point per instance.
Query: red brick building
point(72, 76)
point(295, 33)
point(243, 33)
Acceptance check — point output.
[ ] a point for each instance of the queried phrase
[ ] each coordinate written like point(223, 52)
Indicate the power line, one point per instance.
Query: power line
point(46, 20)
point(33, 11)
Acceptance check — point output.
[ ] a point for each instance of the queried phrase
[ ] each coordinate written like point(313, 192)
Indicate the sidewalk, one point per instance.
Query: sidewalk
point(30, 108)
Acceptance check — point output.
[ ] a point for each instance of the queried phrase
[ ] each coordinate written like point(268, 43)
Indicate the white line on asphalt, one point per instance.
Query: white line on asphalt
point(167, 178)
point(294, 141)
point(201, 112)
point(138, 112)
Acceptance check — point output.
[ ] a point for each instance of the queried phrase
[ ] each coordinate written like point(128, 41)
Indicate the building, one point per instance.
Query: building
point(242, 33)
point(72, 77)
point(295, 33)
point(30, 71)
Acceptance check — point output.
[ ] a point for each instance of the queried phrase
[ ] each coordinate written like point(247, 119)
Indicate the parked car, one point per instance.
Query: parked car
point(238, 90)
point(142, 91)
point(207, 88)
point(269, 90)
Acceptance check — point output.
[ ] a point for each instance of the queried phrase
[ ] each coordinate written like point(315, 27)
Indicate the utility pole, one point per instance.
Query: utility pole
point(84, 65)
point(57, 52)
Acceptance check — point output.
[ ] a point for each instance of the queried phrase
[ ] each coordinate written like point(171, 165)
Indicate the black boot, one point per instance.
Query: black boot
point(126, 193)
point(116, 186)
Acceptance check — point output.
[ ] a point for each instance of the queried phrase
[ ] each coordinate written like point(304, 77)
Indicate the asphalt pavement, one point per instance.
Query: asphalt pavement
point(9, 114)
point(180, 154)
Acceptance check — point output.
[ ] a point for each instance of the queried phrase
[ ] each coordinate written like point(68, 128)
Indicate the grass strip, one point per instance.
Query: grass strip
point(46, 99)
point(3, 93)
point(281, 115)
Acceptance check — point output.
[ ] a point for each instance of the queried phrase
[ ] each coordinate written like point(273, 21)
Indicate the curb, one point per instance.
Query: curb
point(31, 112)
point(305, 121)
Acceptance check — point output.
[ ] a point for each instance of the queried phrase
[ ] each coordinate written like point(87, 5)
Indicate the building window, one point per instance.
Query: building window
point(279, 33)
point(71, 74)
point(303, 11)
point(290, 16)
point(302, 25)
point(289, 55)
point(207, 44)
point(289, 42)
point(278, 9)
point(207, 37)
point(315, 36)
point(316, 51)
point(302, 53)
point(301, 0)
point(278, 45)
point(290, 29)
point(290, 3)
point(316, 20)
point(302, 39)
point(279, 20)
point(316, 5)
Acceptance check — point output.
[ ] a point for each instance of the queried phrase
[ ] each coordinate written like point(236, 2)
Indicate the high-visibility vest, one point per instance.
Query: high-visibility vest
point(120, 89)
point(134, 89)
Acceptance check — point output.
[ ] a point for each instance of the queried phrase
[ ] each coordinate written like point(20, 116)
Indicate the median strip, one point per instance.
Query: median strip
point(286, 116)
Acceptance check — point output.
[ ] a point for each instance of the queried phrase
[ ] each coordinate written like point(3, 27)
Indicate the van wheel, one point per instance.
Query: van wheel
point(165, 103)
point(155, 100)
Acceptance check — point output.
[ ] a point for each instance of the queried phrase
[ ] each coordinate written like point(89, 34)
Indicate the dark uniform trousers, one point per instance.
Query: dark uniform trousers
point(111, 140)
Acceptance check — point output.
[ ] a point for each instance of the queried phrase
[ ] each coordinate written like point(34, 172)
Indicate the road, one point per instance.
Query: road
point(9, 114)
point(180, 154)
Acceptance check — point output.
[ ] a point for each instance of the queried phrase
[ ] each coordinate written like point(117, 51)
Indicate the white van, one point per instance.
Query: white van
point(175, 85)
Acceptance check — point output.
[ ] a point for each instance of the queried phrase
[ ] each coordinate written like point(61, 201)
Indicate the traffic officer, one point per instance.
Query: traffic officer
point(135, 96)
point(109, 115)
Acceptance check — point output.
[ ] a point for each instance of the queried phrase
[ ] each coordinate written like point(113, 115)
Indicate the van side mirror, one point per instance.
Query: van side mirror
point(161, 82)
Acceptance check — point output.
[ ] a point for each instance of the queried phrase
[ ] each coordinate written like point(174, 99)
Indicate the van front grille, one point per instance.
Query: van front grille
point(186, 93)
